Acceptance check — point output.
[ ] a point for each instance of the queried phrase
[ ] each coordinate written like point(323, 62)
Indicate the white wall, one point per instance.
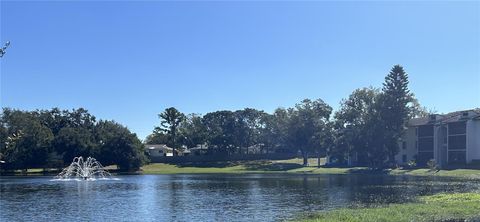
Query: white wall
point(410, 137)
point(156, 152)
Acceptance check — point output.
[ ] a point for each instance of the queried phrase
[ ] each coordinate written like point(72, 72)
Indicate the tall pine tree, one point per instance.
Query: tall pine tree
point(394, 110)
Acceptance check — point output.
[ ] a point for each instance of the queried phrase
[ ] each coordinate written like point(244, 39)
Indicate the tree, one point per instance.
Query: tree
point(354, 125)
point(416, 110)
point(27, 143)
point(3, 139)
point(248, 126)
point(307, 126)
point(55, 119)
point(34, 139)
point(192, 131)
point(157, 137)
point(73, 131)
point(394, 111)
point(370, 122)
point(267, 132)
point(343, 147)
point(171, 119)
point(220, 128)
point(3, 50)
point(273, 131)
point(80, 118)
point(71, 142)
point(117, 145)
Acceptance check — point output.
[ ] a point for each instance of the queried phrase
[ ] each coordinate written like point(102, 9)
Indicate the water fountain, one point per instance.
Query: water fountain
point(83, 169)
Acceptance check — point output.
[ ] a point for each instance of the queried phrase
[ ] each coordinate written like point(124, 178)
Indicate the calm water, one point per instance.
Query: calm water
point(206, 197)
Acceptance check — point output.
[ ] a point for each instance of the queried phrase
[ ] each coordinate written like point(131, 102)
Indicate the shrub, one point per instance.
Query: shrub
point(411, 164)
point(432, 165)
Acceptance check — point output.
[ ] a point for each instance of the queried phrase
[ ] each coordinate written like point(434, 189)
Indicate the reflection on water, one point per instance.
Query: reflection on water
point(206, 197)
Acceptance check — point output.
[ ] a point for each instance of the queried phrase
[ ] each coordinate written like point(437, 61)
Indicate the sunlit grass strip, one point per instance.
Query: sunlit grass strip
point(440, 207)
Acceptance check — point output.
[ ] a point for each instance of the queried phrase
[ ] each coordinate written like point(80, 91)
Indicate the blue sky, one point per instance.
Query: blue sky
point(128, 61)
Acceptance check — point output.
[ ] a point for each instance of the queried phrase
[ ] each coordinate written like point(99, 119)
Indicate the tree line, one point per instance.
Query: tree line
point(52, 138)
point(369, 124)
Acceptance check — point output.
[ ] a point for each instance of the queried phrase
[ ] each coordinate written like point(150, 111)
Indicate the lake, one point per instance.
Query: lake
point(208, 197)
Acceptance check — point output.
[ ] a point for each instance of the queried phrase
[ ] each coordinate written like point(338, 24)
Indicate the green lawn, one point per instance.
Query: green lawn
point(291, 166)
point(440, 207)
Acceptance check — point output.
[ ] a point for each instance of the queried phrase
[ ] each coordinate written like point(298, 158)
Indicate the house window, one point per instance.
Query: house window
point(404, 145)
point(404, 158)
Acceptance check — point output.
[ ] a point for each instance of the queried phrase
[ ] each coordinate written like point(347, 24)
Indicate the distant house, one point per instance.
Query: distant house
point(449, 139)
point(185, 152)
point(200, 149)
point(155, 150)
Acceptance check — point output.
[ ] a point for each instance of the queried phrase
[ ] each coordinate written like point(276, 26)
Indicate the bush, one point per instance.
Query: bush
point(432, 165)
point(412, 164)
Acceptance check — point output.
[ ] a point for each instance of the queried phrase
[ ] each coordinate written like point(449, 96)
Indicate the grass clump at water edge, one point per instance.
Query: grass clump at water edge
point(439, 207)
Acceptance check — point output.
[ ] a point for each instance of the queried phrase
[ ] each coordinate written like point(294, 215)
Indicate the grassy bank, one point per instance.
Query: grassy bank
point(440, 207)
point(291, 166)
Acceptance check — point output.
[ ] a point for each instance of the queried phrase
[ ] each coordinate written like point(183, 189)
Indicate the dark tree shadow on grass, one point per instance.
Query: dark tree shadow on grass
point(269, 166)
point(257, 165)
point(207, 164)
point(368, 171)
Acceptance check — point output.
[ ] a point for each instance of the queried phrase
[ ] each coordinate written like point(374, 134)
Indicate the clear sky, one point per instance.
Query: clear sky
point(128, 61)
